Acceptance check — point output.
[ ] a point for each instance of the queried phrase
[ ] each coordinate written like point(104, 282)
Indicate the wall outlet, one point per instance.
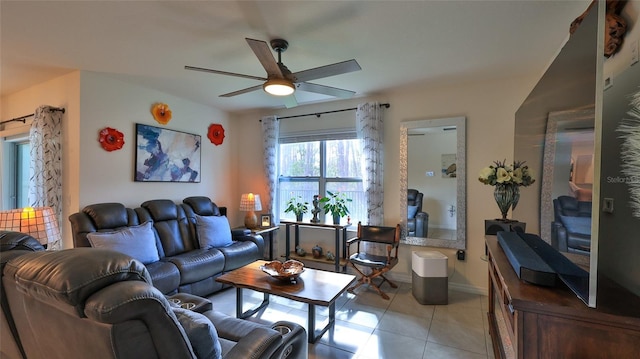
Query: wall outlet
point(607, 205)
point(634, 52)
point(460, 254)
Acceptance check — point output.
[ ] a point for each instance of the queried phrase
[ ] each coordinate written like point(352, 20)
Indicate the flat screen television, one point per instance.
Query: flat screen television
point(578, 82)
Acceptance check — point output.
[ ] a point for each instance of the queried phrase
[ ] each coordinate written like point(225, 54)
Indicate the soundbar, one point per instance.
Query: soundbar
point(536, 262)
point(528, 264)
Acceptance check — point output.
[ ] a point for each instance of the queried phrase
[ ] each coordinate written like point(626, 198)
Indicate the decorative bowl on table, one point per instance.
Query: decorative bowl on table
point(288, 271)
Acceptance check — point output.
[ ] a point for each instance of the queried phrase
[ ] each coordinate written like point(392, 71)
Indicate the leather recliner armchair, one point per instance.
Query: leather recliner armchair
point(98, 303)
point(417, 220)
point(571, 228)
point(12, 245)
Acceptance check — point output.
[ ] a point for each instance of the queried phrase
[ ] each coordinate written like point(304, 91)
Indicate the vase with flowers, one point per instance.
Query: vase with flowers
point(507, 179)
point(298, 206)
point(336, 203)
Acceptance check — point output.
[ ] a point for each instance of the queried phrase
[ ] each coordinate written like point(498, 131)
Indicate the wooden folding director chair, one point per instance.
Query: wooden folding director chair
point(370, 262)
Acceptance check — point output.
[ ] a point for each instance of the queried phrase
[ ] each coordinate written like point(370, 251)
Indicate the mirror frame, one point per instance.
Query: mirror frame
point(461, 180)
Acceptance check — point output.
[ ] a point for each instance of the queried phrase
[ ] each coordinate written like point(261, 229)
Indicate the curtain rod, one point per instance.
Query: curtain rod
point(23, 119)
point(318, 114)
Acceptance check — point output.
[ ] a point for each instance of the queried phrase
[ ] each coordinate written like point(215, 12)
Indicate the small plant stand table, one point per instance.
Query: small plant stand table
point(340, 247)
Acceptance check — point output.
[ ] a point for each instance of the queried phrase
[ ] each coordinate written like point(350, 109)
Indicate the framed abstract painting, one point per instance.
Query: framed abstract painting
point(164, 155)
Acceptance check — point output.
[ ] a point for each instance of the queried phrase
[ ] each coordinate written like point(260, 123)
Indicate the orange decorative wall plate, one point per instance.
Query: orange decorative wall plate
point(216, 133)
point(111, 139)
point(161, 113)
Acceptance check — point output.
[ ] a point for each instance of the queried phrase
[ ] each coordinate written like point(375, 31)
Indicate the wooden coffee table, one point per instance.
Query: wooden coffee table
point(314, 287)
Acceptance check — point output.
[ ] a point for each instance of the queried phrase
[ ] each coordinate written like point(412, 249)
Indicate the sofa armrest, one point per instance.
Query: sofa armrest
point(422, 224)
point(255, 238)
point(259, 343)
point(237, 330)
point(561, 237)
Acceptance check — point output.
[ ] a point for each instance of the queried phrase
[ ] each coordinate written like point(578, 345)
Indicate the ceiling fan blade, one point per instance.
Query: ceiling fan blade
point(324, 90)
point(290, 101)
point(328, 70)
point(224, 73)
point(240, 92)
point(264, 54)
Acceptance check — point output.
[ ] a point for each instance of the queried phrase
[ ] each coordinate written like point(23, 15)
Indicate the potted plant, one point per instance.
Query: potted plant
point(336, 203)
point(297, 206)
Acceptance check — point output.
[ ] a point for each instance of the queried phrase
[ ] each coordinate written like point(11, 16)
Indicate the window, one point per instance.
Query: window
point(22, 174)
point(16, 151)
point(314, 166)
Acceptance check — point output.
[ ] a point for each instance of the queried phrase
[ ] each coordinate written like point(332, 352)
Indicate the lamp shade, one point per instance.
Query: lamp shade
point(278, 87)
point(39, 222)
point(250, 202)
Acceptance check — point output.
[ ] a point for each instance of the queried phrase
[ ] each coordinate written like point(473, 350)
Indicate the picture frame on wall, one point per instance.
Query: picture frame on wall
point(164, 155)
point(265, 220)
point(449, 165)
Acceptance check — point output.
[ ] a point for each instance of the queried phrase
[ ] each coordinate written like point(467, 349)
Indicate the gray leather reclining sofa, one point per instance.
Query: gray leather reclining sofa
point(183, 266)
point(101, 304)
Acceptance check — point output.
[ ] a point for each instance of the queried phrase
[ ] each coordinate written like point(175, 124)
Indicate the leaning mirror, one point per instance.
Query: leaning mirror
point(432, 182)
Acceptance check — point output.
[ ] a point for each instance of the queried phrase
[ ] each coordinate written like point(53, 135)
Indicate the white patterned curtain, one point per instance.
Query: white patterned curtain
point(369, 126)
point(270, 134)
point(45, 184)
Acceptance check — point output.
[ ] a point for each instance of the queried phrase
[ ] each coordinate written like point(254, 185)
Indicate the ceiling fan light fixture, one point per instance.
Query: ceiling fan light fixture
point(279, 87)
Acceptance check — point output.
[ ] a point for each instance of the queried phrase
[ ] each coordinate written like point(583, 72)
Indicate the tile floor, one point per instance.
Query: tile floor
point(369, 327)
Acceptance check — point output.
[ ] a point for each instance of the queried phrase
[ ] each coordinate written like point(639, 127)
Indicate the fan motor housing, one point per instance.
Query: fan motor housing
point(279, 45)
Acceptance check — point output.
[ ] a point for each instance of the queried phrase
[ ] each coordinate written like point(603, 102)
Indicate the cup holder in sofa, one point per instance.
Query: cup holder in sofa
point(282, 329)
point(190, 301)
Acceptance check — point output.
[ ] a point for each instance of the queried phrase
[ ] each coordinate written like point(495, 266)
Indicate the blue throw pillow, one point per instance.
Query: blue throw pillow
point(138, 242)
point(201, 333)
point(412, 211)
point(213, 231)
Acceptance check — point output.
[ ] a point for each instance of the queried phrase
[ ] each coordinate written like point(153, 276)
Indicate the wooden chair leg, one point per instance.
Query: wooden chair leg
point(377, 289)
point(368, 279)
point(362, 280)
point(385, 279)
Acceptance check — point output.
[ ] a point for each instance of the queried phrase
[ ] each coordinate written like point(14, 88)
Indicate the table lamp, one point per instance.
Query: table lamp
point(250, 203)
point(39, 222)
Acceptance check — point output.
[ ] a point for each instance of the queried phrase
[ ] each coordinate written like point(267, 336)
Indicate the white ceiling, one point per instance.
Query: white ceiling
point(397, 43)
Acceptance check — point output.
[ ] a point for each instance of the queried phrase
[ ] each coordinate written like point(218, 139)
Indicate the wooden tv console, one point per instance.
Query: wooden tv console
point(530, 321)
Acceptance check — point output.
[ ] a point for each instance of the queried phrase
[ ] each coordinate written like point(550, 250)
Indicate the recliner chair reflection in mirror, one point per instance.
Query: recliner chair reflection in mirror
point(571, 228)
point(417, 220)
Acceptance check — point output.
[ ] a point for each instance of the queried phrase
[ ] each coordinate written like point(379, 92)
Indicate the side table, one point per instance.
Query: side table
point(261, 231)
point(339, 228)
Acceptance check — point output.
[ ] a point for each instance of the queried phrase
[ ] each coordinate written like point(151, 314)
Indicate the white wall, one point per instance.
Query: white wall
point(112, 103)
point(94, 101)
point(63, 92)
point(489, 107)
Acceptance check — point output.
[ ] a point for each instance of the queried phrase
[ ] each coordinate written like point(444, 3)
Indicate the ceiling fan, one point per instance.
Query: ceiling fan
point(280, 81)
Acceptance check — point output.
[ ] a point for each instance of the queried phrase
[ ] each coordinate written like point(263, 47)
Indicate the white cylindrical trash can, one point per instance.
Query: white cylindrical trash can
point(429, 279)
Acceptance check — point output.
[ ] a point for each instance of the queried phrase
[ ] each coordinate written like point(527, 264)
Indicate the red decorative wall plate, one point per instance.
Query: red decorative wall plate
point(111, 139)
point(216, 133)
